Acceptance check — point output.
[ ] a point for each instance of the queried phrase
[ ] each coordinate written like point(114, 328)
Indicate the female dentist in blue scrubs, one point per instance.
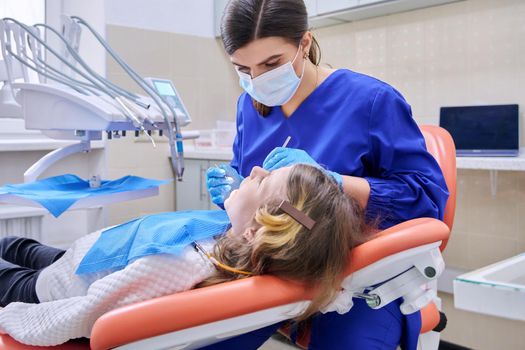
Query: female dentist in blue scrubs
point(358, 128)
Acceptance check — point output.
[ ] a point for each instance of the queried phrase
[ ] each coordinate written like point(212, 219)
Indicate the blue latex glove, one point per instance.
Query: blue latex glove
point(221, 181)
point(281, 157)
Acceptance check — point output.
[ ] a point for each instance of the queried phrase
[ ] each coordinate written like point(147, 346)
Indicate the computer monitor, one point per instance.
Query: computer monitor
point(483, 130)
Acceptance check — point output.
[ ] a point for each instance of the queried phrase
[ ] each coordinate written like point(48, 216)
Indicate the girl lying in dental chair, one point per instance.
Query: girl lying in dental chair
point(294, 223)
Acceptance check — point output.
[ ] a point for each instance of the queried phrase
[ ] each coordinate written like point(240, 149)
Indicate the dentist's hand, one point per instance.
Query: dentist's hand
point(220, 181)
point(281, 157)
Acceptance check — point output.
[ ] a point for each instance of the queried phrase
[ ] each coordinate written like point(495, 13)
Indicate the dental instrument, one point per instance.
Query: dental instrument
point(177, 152)
point(286, 141)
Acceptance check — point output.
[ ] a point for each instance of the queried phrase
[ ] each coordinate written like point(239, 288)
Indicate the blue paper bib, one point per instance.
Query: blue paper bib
point(166, 233)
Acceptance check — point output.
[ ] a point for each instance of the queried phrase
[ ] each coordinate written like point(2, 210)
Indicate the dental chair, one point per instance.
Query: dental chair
point(407, 256)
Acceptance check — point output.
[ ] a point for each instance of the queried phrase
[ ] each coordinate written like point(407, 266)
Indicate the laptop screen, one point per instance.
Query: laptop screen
point(482, 127)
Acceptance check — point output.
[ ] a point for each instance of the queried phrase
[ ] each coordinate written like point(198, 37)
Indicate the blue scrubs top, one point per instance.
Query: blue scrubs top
point(355, 125)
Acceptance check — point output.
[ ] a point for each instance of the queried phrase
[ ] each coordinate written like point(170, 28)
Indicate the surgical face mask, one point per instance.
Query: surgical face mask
point(275, 87)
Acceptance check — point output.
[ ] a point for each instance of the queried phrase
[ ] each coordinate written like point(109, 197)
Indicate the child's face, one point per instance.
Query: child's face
point(255, 191)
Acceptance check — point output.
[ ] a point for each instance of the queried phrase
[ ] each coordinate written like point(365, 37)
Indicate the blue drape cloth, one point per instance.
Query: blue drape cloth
point(165, 233)
point(58, 193)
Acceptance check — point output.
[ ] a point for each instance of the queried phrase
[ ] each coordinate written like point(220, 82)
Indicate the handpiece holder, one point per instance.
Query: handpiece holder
point(78, 100)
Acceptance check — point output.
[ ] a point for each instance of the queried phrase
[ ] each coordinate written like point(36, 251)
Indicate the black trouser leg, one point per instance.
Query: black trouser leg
point(21, 260)
point(17, 283)
point(27, 252)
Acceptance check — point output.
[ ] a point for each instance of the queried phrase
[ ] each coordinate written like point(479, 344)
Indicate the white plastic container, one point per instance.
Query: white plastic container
point(206, 139)
point(215, 138)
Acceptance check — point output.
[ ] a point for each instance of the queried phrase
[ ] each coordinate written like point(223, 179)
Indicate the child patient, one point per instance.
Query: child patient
point(293, 223)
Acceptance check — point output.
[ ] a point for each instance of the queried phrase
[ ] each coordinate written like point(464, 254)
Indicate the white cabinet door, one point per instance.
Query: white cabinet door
point(192, 193)
point(311, 7)
point(326, 6)
point(368, 2)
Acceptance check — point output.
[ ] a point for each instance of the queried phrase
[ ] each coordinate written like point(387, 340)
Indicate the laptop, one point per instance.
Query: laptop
point(483, 130)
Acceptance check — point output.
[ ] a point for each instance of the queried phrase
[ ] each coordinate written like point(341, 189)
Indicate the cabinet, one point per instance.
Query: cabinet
point(326, 6)
point(323, 13)
point(311, 7)
point(191, 192)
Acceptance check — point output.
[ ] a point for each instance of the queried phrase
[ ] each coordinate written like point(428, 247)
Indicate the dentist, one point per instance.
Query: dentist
point(358, 128)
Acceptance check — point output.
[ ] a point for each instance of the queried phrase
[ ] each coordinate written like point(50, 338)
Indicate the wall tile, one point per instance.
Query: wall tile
point(485, 250)
point(458, 328)
point(520, 199)
point(493, 215)
point(123, 153)
point(464, 177)
point(486, 326)
point(370, 42)
point(457, 253)
point(405, 39)
point(187, 55)
point(339, 50)
point(146, 51)
point(410, 79)
point(521, 247)
point(478, 331)
point(215, 103)
point(445, 33)
point(445, 84)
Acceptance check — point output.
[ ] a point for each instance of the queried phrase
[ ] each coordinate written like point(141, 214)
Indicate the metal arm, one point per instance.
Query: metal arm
point(175, 141)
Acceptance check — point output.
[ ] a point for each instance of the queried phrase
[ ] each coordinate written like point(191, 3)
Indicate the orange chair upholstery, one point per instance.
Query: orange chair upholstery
point(211, 306)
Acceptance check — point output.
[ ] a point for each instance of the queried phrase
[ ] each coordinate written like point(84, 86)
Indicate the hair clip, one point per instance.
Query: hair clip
point(297, 215)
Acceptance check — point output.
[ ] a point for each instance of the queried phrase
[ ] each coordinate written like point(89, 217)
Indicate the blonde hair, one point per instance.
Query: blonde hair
point(283, 247)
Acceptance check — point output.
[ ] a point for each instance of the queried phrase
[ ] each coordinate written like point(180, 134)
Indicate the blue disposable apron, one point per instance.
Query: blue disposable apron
point(166, 233)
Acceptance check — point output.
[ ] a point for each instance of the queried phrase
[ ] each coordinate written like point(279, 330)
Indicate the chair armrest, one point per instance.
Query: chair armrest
point(192, 308)
point(407, 235)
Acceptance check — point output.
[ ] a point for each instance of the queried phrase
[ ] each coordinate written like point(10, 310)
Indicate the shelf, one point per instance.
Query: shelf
point(39, 144)
point(222, 154)
point(323, 13)
point(88, 202)
point(493, 163)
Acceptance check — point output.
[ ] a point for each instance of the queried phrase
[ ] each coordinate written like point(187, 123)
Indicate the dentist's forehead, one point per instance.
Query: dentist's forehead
point(259, 50)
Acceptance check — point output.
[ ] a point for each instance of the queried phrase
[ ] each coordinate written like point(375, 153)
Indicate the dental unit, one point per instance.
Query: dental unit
point(72, 101)
point(50, 86)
